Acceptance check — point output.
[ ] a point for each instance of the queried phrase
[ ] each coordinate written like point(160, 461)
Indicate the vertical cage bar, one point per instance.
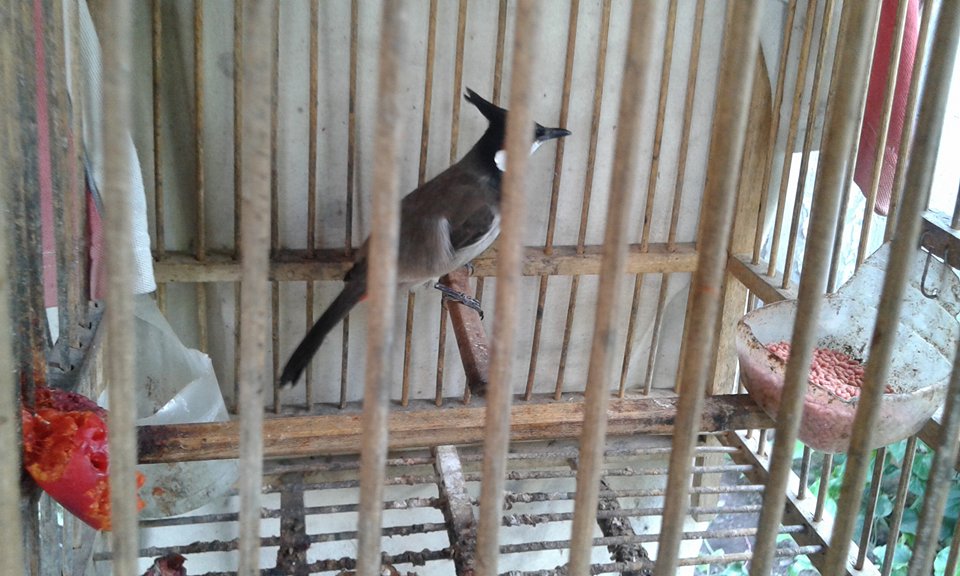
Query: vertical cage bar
point(382, 284)
point(77, 202)
point(554, 193)
point(275, 214)
point(198, 119)
point(825, 471)
point(11, 163)
point(812, 113)
point(275, 209)
point(157, 48)
point(841, 127)
point(458, 80)
point(944, 462)
point(919, 177)
point(587, 191)
point(906, 137)
point(691, 92)
point(788, 146)
point(955, 221)
point(775, 126)
point(734, 85)
point(954, 554)
point(866, 532)
point(119, 351)
point(313, 103)
point(636, 80)
point(200, 177)
point(237, 183)
point(899, 504)
point(351, 181)
point(421, 178)
point(256, 65)
point(893, 67)
point(499, 388)
point(652, 179)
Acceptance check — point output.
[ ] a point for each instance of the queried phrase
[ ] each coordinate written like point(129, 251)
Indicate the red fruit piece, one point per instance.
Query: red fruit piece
point(65, 451)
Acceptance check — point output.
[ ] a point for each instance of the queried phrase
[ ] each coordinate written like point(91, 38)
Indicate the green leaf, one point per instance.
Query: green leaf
point(940, 562)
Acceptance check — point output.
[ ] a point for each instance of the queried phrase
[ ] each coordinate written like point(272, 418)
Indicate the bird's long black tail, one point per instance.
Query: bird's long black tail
point(353, 291)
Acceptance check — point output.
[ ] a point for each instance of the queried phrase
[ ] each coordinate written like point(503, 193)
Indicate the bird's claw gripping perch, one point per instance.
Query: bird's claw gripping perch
point(457, 296)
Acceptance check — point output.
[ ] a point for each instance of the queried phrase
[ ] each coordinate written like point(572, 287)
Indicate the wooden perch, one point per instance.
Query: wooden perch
point(471, 336)
point(296, 436)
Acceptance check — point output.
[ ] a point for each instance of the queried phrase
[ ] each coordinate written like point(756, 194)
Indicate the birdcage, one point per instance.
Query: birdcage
point(186, 183)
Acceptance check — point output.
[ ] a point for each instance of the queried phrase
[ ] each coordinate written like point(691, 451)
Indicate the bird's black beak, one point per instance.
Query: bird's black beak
point(551, 133)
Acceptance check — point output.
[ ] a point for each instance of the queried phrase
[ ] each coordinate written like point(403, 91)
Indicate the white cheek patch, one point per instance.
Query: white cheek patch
point(500, 158)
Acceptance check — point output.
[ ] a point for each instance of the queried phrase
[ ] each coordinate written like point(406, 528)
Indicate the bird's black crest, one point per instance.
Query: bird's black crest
point(491, 112)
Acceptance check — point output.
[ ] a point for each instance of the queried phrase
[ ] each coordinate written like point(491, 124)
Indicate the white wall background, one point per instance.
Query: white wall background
point(179, 165)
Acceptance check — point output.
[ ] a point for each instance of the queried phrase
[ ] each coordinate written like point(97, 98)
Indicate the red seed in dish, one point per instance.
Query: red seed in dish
point(831, 370)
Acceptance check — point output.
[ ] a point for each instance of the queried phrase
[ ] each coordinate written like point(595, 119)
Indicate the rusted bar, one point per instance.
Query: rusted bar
point(841, 127)
point(11, 166)
point(547, 517)
point(801, 84)
point(906, 137)
point(254, 233)
point(955, 221)
point(639, 59)
point(157, 53)
point(893, 68)
point(382, 285)
point(734, 83)
point(899, 504)
point(812, 114)
point(457, 509)
point(512, 208)
point(292, 551)
point(774, 127)
point(517, 475)
point(945, 451)
point(118, 242)
point(918, 179)
point(866, 532)
point(612, 541)
point(587, 190)
point(554, 194)
point(471, 336)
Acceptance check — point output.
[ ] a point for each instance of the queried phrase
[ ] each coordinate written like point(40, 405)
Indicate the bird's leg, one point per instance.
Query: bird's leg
point(457, 296)
point(470, 268)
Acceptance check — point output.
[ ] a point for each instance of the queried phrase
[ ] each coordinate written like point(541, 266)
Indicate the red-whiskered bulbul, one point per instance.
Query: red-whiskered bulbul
point(444, 224)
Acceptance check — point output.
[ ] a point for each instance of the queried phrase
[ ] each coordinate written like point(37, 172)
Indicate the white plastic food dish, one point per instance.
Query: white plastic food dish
point(920, 365)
